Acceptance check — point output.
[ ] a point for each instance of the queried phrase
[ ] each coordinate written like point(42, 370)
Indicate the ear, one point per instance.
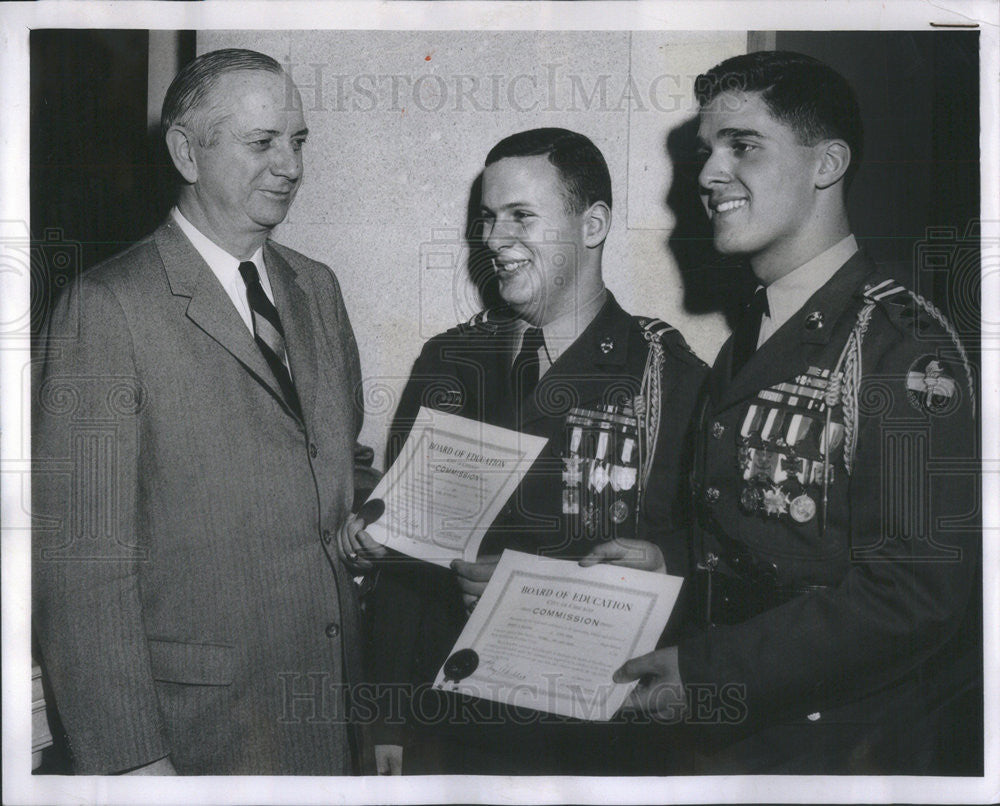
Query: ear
point(834, 160)
point(180, 144)
point(596, 224)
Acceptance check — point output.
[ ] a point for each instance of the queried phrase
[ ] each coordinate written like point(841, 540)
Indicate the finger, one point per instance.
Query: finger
point(470, 602)
point(663, 700)
point(471, 588)
point(635, 668)
point(478, 572)
point(603, 552)
point(368, 547)
point(348, 552)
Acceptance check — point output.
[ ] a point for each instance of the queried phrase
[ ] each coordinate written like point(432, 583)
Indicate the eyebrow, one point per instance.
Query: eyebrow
point(274, 132)
point(736, 133)
point(508, 206)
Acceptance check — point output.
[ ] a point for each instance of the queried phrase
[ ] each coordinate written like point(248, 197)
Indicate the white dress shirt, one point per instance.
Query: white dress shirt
point(225, 267)
point(788, 294)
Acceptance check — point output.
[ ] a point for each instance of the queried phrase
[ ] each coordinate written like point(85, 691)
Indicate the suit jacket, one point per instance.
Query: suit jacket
point(417, 612)
point(187, 598)
point(856, 673)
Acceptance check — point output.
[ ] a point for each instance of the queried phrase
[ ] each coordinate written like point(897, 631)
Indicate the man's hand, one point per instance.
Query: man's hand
point(660, 691)
point(355, 546)
point(472, 578)
point(389, 759)
point(160, 767)
point(630, 553)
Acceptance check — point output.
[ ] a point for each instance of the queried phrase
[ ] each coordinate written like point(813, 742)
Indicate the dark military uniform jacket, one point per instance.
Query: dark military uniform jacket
point(840, 616)
point(416, 608)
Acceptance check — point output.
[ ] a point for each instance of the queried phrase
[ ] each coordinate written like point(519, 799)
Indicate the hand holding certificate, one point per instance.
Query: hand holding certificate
point(548, 634)
point(448, 484)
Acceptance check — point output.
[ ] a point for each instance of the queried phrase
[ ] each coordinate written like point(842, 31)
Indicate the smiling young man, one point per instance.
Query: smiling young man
point(835, 472)
point(560, 358)
point(184, 580)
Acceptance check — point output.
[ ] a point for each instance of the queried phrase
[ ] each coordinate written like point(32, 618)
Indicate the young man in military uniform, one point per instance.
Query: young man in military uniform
point(836, 468)
point(612, 394)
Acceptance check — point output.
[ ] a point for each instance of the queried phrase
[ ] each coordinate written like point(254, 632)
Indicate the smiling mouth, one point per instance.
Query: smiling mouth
point(727, 206)
point(509, 266)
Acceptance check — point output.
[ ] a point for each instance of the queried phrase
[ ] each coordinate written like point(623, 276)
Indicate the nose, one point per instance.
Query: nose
point(497, 234)
point(287, 161)
point(714, 171)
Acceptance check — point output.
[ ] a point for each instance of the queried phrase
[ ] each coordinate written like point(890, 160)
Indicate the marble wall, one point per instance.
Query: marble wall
point(400, 123)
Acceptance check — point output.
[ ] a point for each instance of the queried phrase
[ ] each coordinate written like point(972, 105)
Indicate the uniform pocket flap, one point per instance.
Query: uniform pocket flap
point(194, 664)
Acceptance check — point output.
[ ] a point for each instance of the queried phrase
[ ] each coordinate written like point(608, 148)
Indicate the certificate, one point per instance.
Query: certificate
point(548, 634)
point(448, 484)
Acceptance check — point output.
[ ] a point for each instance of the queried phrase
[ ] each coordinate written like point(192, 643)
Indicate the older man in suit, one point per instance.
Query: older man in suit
point(194, 433)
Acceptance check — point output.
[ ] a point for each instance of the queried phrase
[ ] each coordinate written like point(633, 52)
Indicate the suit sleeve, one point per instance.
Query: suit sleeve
point(914, 542)
point(88, 545)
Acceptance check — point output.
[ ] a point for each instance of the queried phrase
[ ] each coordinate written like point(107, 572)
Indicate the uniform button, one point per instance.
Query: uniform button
point(327, 536)
point(718, 429)
point(313, 450)
point(332, 629)
point(712, 495)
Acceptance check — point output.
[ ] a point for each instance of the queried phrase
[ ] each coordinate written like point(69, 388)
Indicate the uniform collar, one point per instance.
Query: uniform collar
point(788, 294)
point(800, 341)
point(561, 334)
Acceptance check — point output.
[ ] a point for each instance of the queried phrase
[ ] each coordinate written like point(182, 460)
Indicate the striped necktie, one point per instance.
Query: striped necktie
point(269, 334)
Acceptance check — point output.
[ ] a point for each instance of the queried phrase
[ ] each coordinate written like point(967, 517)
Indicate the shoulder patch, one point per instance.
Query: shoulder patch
point(931, 386)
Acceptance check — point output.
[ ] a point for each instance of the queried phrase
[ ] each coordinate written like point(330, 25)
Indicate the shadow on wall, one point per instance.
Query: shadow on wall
point(712, 282)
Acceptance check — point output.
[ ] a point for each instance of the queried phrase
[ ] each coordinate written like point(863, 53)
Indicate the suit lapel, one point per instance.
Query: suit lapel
point(292, 302)
point(796, 344)
point(209, 307)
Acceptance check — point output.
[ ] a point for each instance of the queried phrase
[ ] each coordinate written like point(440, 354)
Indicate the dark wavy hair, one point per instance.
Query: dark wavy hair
point(810, 97)
point(581, 165)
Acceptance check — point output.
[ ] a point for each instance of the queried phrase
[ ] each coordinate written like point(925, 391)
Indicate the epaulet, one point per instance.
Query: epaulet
point(491, 320)
point(903, 306)
point(653, 328)
point(886, 291)
point(657, 330)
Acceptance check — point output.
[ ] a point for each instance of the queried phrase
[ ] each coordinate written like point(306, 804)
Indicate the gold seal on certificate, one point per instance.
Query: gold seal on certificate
point(548, 634)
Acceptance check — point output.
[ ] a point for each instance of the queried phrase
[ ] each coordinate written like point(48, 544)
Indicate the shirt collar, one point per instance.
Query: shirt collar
point(559, 334)
point(223, 265)
point(786, 295)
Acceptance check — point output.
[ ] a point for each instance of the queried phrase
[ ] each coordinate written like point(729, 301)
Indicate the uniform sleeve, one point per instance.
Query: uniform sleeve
point(914, 543)
point(666, 508)
point(88, 545)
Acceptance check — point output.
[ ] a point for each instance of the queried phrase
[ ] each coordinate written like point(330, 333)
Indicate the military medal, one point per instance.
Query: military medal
point(802, 509)
point(775, 501)
point(752, 499)
point(619, 511)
